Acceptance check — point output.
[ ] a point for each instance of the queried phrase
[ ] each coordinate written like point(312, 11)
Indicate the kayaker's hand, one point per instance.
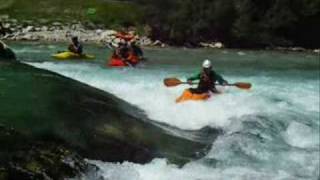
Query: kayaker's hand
point(190, 82)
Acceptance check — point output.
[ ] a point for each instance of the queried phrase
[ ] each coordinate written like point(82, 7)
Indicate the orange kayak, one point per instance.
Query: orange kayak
point(187, 95)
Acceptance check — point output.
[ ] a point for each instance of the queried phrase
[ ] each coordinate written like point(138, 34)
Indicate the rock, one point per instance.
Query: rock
point(145, 41)
point(99, 32)
point(4, 17)
point(7, 25)
point(203, 44)
point(44, 28)
point(157, 43)
point(28, 29)
point(29, 37)
point(51, 28)
point(56, 24)
point(90, 25)
point(316, 51)
point(28, 158)
point(218, 45)
point(43, 21)
point(94, 123)
point(108, 33)
point(299, 49)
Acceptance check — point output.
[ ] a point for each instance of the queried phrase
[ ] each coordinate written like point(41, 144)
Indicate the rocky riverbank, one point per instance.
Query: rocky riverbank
point(43, 30)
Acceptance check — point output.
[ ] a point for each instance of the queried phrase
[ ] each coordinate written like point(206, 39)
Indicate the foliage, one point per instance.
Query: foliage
point(244, 23)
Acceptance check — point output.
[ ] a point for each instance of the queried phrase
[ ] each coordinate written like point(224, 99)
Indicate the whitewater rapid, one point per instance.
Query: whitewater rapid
point(270, 132)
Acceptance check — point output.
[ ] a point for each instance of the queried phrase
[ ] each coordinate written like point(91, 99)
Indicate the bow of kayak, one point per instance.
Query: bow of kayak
point(117, 62)
point(187, 95)
point(70, 55)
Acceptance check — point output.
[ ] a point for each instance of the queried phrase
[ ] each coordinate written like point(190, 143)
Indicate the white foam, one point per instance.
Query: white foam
point(159, 169)
point(302, 136)
point(144, 88)
point(240, 157)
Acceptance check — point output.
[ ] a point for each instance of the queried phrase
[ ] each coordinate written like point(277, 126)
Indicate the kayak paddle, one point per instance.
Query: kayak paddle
point(171, 82)
point(241, 85)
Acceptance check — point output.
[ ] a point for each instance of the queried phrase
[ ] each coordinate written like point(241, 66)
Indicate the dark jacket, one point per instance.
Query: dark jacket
point(207, 81)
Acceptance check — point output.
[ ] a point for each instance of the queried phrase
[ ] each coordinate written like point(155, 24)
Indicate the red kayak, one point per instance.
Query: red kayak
point(118, 62)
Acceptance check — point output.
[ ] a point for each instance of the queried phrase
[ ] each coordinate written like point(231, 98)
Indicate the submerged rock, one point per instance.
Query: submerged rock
point(93, 123)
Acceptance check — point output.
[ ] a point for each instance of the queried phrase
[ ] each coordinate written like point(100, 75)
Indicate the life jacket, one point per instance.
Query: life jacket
point(206, 80)
point(75, 48)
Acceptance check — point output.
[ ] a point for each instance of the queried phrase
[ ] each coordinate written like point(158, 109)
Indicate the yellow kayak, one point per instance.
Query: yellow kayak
point(187, 96)
point(70, 55)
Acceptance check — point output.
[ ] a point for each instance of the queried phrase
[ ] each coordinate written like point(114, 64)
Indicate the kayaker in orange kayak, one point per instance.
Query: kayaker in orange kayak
point(75, 46)
point(208, 77)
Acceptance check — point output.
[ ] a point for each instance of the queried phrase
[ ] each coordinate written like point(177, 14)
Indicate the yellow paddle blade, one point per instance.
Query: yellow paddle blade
point(243, 85)
point(170, 82)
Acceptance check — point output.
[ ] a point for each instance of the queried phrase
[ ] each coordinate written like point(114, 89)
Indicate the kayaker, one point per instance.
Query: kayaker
point(136, 50)
point(123, 52)
point(75, 46)
point(208, 77)
point(6, 54)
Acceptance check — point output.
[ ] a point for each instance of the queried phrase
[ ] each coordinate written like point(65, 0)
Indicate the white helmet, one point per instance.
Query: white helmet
point(206, 63)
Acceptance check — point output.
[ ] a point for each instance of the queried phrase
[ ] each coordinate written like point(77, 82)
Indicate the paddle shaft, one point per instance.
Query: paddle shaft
point(193, 83)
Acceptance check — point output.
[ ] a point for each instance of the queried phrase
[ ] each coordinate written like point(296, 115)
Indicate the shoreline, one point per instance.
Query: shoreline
point(61, 33)
point(279, 49)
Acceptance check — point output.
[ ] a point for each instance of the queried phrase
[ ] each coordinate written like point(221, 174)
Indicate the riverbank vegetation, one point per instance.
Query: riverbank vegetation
point(236, 23)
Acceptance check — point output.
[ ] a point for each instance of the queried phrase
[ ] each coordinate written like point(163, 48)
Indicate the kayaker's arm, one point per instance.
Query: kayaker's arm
point(220, 79)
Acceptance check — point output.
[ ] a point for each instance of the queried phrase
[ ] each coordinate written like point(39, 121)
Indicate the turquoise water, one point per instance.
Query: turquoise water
point(270, 132)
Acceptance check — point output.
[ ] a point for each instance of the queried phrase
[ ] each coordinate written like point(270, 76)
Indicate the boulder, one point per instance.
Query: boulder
point(203, 44)
point(145, 41)
point(93, 123)
point(157, 43)
point(299, 49)
point(28, 29)
point(44, 28)
point(22, 157)
point(56, 24)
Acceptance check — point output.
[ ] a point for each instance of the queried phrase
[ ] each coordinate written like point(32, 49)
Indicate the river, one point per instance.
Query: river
point(269, 132)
